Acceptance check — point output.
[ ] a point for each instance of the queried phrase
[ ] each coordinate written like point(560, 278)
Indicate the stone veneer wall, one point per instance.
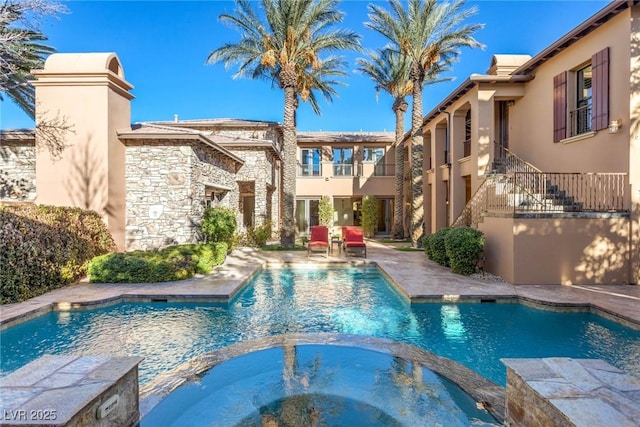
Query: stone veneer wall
point(18, 171)
point(259, 165)
point(165, 190)
point(211, 167)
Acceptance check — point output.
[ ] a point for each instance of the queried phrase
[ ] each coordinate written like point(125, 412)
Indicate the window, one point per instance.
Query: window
point(588, 110)
point(376, 155)
point(373, 154)
point(213, 199)
point(310, 162)
point(343, 161)
point(466, 144)
point(580, 118)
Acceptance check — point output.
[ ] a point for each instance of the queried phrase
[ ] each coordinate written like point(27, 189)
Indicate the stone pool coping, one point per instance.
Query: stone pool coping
point(418, 278)
point(490, 395)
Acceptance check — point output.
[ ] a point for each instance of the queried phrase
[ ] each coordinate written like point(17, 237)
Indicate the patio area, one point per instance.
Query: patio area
point(415, 275)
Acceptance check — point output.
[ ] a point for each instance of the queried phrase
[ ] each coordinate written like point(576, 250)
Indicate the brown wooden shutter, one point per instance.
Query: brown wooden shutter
point(560, 107)
point(600, 90)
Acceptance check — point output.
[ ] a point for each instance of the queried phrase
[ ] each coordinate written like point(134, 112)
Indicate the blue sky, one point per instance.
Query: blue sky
point(163, 46)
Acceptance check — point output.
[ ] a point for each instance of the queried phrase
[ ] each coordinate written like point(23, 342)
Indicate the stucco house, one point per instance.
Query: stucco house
point(543, 155)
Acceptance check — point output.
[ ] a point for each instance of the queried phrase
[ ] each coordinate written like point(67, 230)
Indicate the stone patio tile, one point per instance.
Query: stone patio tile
point(618, 380)
point(571, 369)
point(14, 397)
point(84, 364)
point(531, 369)
point(590, 412)
point(43, 367)
point(113, 368)
point(59, 380)
point(556, 388)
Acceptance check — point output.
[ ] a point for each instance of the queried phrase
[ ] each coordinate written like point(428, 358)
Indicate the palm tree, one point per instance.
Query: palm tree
point(390, 72)
point(21, 51)
point(285, 46)
point(430, 34)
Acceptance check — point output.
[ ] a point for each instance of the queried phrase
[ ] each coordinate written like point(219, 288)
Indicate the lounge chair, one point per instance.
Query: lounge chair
point(353, 240)
point(319, 240)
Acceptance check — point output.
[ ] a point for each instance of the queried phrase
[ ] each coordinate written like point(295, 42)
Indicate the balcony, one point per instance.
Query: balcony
point(383, 169)
point(340, 170)
point(310, 170)
point(580, 120)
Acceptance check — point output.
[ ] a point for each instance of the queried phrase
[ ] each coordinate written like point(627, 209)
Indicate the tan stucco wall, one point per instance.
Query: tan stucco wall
point(531, 117)
point(634, 143)
point(89, 171)
point(578, 251)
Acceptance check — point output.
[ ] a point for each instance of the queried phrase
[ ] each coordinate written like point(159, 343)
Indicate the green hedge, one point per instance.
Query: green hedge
point(435, 246)
point(172, 263)
point(46, 247)
point(464, 246)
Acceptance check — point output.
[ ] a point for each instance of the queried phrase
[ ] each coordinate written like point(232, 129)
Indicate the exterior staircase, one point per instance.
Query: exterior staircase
point(518, 187)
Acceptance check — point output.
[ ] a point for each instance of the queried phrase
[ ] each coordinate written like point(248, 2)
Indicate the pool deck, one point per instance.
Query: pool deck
point(419, 278)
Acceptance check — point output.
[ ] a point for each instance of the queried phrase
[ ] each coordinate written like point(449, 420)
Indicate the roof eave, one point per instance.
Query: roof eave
point(181, 136)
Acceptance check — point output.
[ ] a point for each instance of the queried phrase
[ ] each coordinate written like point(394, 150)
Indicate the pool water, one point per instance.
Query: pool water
point(318, 385)
point(351, 300)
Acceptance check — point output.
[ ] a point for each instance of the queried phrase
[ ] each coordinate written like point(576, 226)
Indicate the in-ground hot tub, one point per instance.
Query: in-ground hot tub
point(315, 384)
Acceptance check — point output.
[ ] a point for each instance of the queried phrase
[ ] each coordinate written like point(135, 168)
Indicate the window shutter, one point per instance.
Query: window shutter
point(560, 107)
point(600, 90)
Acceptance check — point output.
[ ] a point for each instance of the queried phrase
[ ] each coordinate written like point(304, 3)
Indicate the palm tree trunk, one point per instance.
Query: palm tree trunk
point(417, 199)
point(399, 107)
point(288, 232)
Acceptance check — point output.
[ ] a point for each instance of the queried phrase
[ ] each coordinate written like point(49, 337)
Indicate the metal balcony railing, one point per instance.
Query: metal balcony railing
point(310, 170)
point(580, 119)
point(557, 192)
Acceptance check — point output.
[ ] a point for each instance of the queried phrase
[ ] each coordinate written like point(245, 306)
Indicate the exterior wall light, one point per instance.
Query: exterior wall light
point(615, 125)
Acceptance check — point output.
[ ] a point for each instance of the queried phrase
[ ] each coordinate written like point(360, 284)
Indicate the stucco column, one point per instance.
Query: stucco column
point(482, 135)
point(457, 191)
point(634, 146)
point(439, 186)
point(87, 92)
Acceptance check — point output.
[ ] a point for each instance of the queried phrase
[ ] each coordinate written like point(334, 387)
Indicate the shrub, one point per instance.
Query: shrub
point(369, 216)
point(171, 263)
point(437, 247)
point(258, 236)
point(426, 244)
point(46, 247)
point(464, 246)
point(220, 254)
point(325, 211)
point(219, 224)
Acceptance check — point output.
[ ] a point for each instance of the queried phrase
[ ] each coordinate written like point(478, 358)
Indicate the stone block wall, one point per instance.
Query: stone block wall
point(566, 392)
point(209, 166)
point(166, 183)
point(258, 168)
point(17, 171)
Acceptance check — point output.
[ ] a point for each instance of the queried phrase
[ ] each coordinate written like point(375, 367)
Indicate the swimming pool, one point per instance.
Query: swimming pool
point(347, 300)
